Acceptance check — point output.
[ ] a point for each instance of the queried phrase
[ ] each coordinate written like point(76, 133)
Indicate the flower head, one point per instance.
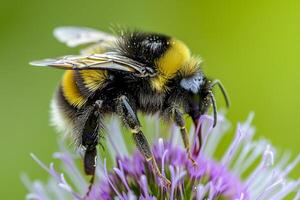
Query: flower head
point(132, 177)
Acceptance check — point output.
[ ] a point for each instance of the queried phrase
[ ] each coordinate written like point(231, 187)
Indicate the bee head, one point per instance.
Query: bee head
point(202, 97)
point(206, 97)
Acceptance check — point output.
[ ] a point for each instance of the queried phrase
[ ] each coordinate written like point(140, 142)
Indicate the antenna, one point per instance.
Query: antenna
point(218, 82)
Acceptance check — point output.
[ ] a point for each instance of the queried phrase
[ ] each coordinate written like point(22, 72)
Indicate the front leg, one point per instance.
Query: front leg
point(125, 110)
point(177, 116)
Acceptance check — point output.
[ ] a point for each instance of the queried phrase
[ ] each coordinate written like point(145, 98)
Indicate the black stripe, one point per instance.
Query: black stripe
point(143, 47)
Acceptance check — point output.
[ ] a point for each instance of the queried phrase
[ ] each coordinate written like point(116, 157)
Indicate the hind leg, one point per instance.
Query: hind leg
point(90, 137)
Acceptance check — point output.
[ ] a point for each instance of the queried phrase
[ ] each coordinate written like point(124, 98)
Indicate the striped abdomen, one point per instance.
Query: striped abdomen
point(73, 93)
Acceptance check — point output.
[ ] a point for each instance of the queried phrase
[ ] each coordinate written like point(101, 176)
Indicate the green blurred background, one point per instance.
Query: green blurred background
point(253, 47)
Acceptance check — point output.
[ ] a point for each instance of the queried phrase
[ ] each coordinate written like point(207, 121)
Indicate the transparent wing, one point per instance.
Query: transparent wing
point(74, 36)
point(97, 48)
point(108, 61)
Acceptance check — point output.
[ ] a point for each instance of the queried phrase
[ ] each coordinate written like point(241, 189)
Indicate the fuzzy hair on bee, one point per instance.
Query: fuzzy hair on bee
point(122, 75)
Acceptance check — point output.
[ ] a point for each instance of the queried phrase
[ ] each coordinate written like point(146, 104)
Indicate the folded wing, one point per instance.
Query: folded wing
point(106, 61)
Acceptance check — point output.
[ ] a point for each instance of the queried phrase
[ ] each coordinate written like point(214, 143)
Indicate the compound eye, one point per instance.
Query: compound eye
point(192, 83)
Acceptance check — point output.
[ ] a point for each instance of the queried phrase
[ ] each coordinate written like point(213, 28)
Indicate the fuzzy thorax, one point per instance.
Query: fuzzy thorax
point(170, 63)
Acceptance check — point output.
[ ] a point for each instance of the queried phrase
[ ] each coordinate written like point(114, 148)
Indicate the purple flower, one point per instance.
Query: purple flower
point(131, 176)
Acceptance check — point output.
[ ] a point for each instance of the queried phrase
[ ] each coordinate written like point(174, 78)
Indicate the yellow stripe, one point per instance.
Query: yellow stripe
point(71, 91)
point(94, 79)
point(159, 83)
point(171, 62)
point(191, 67)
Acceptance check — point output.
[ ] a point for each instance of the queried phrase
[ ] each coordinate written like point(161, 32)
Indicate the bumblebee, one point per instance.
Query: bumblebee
point(122, 75)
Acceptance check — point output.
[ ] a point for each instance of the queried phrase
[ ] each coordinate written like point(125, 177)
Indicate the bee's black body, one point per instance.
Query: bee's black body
point(171, 84)
point(143, 47)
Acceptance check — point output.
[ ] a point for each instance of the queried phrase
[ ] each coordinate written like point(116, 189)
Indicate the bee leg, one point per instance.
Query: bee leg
point(90, 139)
point(130, 119)
point(179, 120)
point(90, 166)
